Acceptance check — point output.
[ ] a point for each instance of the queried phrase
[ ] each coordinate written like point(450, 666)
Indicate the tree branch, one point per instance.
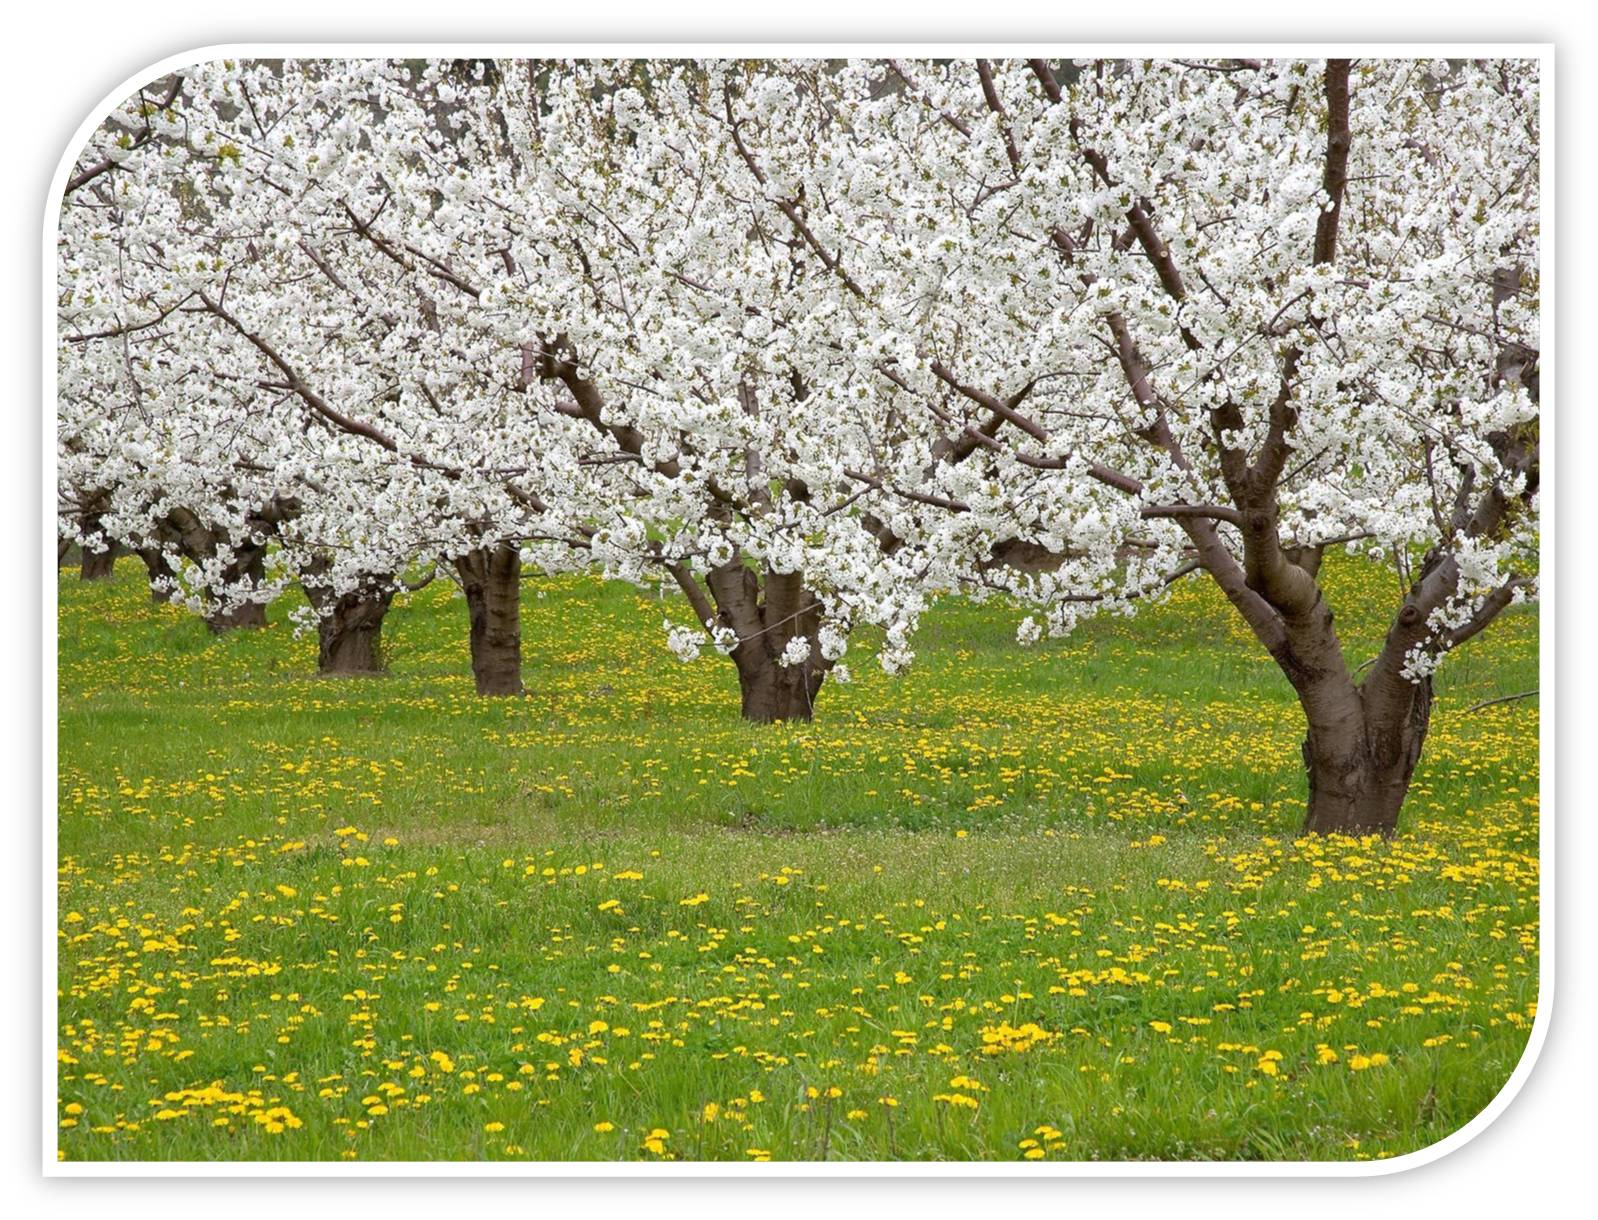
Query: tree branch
point(1334, 180)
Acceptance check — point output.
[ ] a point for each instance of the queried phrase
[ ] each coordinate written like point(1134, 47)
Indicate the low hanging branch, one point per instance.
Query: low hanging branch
point(1525, 694)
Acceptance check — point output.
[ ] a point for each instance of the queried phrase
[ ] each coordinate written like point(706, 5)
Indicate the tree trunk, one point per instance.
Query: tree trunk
point(92, 564)
point(1359, 774)
point(349, 626)
point(97, 565)
point(248, 616)
point(350, 634)
point(248, 568)
point(158, 569)
point(773, 692)
point(765, 616)
point(492, 582)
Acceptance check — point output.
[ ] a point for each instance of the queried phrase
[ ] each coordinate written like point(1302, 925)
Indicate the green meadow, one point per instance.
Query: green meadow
point(1019, 904)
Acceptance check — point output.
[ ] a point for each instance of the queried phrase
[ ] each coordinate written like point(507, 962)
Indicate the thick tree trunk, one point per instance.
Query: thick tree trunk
point(97, 565)
point(249, 567)
point(1359, 774)
point(350, 637)
point(773, 692)
point(765, 616)
point(492, 582)
point(248, 616)
point(349, 627)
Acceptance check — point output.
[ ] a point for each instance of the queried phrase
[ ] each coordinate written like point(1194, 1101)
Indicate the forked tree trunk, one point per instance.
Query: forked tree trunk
point(1363, 739)
point(492, 582)
point(1359, 775)
point(97, 565)
point(765, 616)
point(773, 692)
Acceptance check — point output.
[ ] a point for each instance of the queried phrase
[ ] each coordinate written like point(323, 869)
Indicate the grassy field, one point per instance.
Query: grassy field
point(1030, 905)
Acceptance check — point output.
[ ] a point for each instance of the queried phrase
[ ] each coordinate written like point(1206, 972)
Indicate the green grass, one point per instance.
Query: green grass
point(409, 918)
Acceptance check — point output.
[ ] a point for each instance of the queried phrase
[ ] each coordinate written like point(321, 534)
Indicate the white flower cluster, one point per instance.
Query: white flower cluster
point(795, 652)
point(684, 642)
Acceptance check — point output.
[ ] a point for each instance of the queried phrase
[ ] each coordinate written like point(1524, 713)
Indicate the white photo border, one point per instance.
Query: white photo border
point(1543, 53)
